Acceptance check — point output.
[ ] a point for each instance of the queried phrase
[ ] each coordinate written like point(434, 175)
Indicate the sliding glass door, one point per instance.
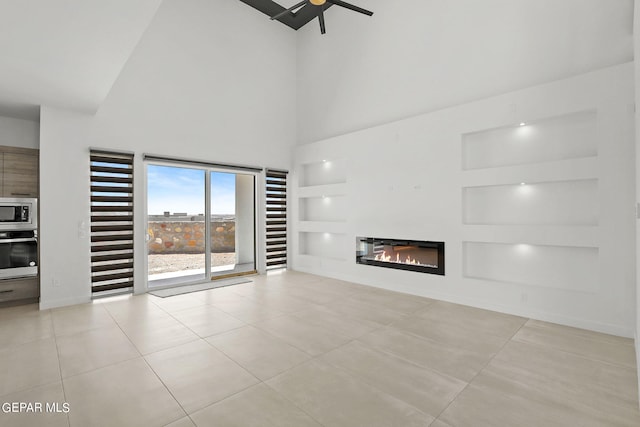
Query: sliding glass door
point(195, 211)
point(176, 224)
point(232, 224)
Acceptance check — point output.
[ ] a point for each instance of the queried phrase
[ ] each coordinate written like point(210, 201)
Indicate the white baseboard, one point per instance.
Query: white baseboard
point(63, 302)
point(522, 311)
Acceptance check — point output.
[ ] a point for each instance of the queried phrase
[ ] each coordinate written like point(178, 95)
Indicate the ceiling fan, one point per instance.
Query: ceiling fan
point(320, 6)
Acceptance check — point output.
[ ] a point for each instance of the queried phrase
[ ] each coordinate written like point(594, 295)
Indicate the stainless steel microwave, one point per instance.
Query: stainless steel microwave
point(18, 213)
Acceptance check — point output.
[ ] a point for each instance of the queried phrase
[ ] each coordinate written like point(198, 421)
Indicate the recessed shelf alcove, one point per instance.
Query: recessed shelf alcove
point(323, 208)
point(323, 172)
point(323, 244)
point(563, 137)
point(559, 267)
point(567, 203)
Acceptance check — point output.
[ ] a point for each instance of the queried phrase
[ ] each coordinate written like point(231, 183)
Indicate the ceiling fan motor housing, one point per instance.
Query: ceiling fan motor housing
point(319, 9)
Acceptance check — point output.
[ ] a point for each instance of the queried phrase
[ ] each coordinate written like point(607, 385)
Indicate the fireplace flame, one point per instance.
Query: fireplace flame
point(387, 258)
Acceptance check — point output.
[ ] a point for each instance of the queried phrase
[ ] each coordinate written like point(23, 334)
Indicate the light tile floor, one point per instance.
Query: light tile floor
point(296, 350)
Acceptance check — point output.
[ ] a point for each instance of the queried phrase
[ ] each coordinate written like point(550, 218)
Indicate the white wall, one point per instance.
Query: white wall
point(200, 85)
point(19, 133)
point(408, 180)
point(416, 56)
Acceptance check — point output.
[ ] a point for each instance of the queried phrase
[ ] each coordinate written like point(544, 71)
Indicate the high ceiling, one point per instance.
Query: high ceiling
point(65, 53)
point(69, 53)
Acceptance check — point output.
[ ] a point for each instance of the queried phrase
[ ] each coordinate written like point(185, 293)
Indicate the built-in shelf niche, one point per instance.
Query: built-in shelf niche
point(323, 244)
point(570, 203)
point(558, 138)
point(324, 208)
point(558, 267)
point(323, 172)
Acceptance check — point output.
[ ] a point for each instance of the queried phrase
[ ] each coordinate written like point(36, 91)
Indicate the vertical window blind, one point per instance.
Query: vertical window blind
point(276, 226)
point(111, 221)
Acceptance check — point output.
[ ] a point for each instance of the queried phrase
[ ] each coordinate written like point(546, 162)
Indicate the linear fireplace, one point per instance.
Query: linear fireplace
point(412, 255)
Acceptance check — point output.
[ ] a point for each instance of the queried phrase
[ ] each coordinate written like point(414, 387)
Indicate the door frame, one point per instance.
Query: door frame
point(259, 213)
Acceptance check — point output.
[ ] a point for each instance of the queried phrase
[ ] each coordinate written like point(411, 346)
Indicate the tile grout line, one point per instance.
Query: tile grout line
point(311, 358)
point(168, 391)
point(64, 392)
point(576, 354)
point(125, 334)
point(260, 381)
point(17, 319)
point(384, 327)
point(317, 358)
point(142, 356)
point(55, 341)
point(356, 377)
point(483, 368)
point(206, 304)
point(293, 403)
point(169, 348)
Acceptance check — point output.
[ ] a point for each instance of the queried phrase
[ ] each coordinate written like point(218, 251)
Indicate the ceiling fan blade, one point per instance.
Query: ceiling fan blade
point(321, 19)
point(350, 7)
point(291, 9)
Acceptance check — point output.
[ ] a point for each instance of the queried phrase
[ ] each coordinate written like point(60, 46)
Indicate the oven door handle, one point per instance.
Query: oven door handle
point(31, 239)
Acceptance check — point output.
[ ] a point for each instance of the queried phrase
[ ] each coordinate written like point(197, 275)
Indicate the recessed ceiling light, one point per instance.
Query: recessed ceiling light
point(523, 124)
point(523, 183)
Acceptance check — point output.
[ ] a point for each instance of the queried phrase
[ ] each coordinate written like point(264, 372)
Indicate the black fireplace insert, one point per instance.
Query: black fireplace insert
point(412, 255)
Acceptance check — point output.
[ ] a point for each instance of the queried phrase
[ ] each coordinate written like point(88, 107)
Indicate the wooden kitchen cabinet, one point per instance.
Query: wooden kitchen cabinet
point(19, 291)
point(19, 171)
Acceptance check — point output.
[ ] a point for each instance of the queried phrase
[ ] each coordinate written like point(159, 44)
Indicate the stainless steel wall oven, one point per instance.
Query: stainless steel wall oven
point(18, 238)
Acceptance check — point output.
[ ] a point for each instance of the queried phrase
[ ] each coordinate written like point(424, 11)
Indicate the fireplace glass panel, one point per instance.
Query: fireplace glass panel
point(413, 255)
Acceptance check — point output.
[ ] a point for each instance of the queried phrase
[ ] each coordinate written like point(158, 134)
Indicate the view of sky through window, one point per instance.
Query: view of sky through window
point(181, 190)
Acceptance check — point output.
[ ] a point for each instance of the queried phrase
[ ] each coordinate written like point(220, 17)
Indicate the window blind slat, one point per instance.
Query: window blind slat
point(113, 257)
point(112, 179)
point(111, 218)
point(118, 227)
point(117, 247)
point(112, 267)
point(112, 199)
point(114, 276)
point(103, 208)
point(111, 169)
point(111, 237)
point(120, 285)
point(106, 158)
point(109, 189)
